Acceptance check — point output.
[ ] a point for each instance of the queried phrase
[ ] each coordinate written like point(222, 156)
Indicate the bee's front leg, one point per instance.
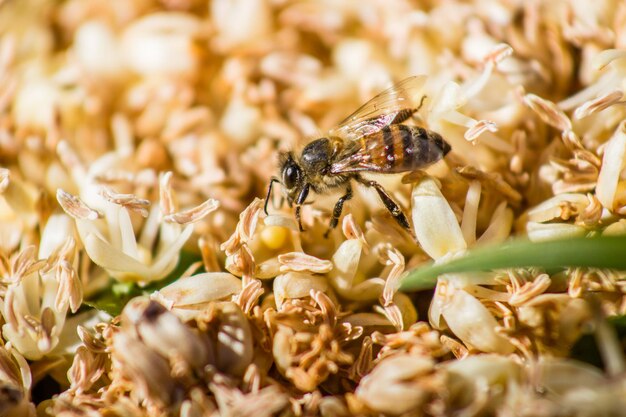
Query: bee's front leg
point(304, 192)
point(269, 193)
point(299, 218)
point(334, 220)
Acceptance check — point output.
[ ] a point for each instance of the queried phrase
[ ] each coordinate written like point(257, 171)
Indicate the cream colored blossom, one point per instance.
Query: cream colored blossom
point(441, 236)
point(613, 163)
point(297, 285)
point(167, 335)
point(234, 347)
point(545, 221)
point(110, 241)
point(16, 381)
point(436, 226)
point(483, 378)
point(398, 385)
point(100, 98)
point(449, 99)
point(162, 44)
point(351, 255)
point(17, 210)
point(344, 274)
point(44, 288)
point(253, 245)
point(188, 297)
point(97, 48)
point(240, 23)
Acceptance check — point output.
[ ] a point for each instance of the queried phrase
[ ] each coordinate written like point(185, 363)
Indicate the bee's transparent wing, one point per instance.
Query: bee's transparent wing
point(393, 105)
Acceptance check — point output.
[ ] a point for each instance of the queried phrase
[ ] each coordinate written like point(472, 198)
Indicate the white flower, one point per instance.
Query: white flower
point(450, 97)
point(604, 90)
point(15, 384)
point(436, 227)
point(297, 285)
point(40, 293)
point(545, 221)
point(441, 237)
point(398, 384)
point(110, 239)
point(162, 44)
point(18, 213)
point(240, 23)
point(188, 297)
point(610, 178)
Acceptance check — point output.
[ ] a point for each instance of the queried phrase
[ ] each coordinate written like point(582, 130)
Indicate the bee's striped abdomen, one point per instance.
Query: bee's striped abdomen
point(400, 148)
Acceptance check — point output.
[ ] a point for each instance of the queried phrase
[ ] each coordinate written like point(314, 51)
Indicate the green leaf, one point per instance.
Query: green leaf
point(122, 289)
point(111, 303)
point(597, 252)
point(113, 298)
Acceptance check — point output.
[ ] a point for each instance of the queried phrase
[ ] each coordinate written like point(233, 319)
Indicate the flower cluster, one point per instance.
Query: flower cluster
point(141, 276)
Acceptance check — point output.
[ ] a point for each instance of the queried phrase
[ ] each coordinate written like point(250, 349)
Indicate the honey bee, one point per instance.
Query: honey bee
point(371, 140)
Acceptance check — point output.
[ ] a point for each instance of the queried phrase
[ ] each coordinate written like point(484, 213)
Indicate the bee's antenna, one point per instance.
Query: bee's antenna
point(269, 193)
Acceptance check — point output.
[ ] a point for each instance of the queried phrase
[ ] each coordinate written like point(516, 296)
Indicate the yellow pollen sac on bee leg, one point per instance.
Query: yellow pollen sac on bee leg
point(274, 237)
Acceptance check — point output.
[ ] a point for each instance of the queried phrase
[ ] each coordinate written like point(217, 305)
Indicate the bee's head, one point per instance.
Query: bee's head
point(291, 176)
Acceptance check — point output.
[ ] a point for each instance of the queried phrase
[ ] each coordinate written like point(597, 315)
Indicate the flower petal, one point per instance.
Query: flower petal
point(127, 233)
point(612, 165)
point(58, 227)
point(470, 212)
point(297, 285)
point(198, 289)
point(346, 260)
point(548, 231)
point(193, 214)
point(553, 207)
point(493, 369)
point(116, 262)
point(500, 226)
point(471, 322)
point(167, 259)
point(300, 262)
point(436, 226)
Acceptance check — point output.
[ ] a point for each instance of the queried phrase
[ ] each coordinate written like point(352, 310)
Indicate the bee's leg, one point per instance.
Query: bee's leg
point(269, 192)
point(299, 219)
point(402, 116)
point(334, 220)
point(391, 205)
point(405, 114)
point(421, 103)
point(299, 202)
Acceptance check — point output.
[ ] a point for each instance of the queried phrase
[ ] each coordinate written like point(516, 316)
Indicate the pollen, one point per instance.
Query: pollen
point(274, 237)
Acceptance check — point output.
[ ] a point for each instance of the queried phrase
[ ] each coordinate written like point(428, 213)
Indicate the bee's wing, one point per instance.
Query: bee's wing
point(397, 102)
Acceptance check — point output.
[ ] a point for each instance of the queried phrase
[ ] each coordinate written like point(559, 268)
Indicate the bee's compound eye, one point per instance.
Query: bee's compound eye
point(291, 176)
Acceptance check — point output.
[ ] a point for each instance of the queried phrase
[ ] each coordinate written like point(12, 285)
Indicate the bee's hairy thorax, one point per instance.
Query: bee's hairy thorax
point(316, 159)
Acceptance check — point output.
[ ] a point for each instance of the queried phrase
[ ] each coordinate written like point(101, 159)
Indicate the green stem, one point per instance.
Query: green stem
point(598, 252)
